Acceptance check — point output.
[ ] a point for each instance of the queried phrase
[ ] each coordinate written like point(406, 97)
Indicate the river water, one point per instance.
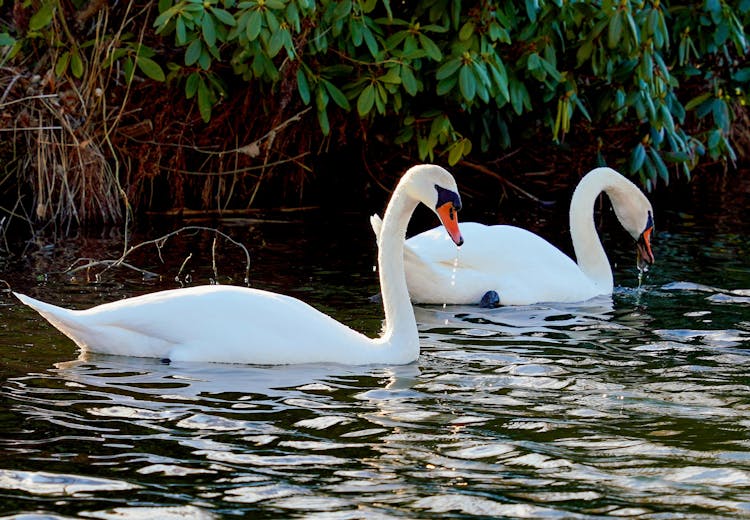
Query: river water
point(632, 406)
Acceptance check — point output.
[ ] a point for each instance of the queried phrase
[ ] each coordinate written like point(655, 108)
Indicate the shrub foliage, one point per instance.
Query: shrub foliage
point(449, 77)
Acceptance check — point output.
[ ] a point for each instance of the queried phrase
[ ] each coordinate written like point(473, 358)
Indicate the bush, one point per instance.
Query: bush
point(664, 81)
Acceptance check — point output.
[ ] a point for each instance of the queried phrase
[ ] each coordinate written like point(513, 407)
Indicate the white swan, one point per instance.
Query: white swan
point(240, 325)
point(521, 267)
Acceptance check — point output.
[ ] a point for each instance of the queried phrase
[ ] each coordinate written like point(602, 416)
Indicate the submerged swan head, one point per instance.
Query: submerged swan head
point(433, 186)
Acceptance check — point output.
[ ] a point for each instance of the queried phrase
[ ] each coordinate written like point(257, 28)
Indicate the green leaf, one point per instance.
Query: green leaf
point(128, 69)
point(466, 31)
point(43, 17)
point(534, 62)
point(740, 76)
point(205, 59)
point(191, 85)
point(193, 52)
point(325, 126)
point(76, 64)
point(338, 97)
point(370, 41)
point(430, 48)
point(303, 86)
point(366, 100)
point(637, 157)
point(392, 76)
point(409, 81)
point(615, 30)
point(455, 152)
point(180, 32)
point(532, 6)
point(276, 43)
point(62, 64)
point(223, 16)
point(448, 68)
point(275, 4)
point(584, 52)
point(162, 20)
point(467, 83)
point(204, 101)
point(661, 168)
point(697, 101)
point(209, 30)
point(6, 40)
point(254, 25)
point(272, 22)
point(151, 69)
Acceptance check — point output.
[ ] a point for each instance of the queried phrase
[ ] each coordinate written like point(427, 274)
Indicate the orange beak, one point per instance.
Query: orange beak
point(447, 213)
point(645, 256)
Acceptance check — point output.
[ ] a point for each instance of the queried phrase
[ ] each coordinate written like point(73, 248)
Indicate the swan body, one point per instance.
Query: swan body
point(519, 265)
point(230, 324)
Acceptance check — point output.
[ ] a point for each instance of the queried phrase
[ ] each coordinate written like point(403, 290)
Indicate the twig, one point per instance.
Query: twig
point(487, 171)
point(159, 243)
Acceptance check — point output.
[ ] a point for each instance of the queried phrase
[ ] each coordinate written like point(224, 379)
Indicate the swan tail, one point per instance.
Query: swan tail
point(64, 320)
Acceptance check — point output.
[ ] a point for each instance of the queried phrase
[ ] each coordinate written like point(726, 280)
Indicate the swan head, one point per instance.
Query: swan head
point(436, 188)
point(636, 215)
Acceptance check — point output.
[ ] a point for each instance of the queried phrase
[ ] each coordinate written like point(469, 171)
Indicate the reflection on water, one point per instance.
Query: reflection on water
point(635, 405)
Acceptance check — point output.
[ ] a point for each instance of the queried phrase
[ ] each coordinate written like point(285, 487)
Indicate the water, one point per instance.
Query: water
point(632, 406)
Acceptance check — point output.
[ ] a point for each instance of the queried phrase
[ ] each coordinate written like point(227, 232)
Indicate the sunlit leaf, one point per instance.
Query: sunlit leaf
point(697, 101)
point(466, 31)
point(43, 17)
point(455, 152)
point(76, 64)
point(61, 66)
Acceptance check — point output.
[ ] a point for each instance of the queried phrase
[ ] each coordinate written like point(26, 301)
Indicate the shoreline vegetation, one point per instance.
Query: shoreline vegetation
point(109, 111)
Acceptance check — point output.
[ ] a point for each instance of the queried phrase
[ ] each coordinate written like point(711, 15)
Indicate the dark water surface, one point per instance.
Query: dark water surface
point(632, 406)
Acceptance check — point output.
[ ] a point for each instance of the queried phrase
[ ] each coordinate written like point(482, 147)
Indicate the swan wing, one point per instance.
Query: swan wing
point(521, 266)
point(210, 323)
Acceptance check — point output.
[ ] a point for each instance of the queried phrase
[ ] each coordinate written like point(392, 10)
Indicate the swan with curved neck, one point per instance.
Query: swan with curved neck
point(242, 325)
point(523, 268)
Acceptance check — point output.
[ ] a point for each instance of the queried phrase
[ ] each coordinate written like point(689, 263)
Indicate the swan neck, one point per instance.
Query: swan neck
point(400, 323)
point(589, 252)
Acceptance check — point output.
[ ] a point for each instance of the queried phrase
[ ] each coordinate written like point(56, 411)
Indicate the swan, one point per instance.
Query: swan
point(507, 265)
point(229, 324)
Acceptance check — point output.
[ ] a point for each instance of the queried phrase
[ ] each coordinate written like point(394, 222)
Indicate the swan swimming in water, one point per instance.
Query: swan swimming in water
point(507, 265)
point(229, 324)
